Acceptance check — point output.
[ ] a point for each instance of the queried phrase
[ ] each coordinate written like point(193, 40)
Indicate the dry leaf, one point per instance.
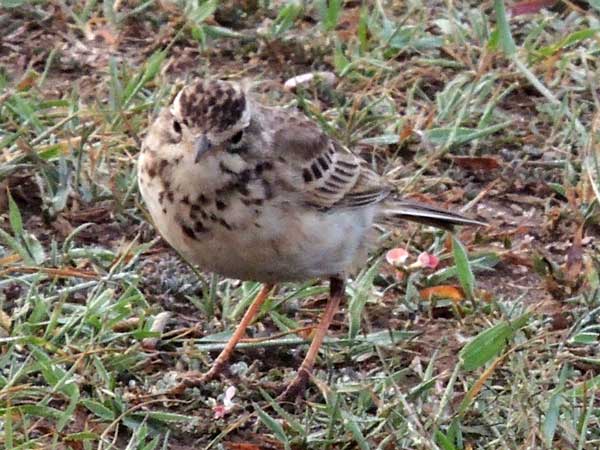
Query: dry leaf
point(347, 27)
point(530, 6)
point(10, 259)
point(5, 321)
point(574, 264)
point(477, 162)
point(515, 259)
point(108, 36)
point(407, 131)
point(27, 81)
point(241, 446)
point(444, 291)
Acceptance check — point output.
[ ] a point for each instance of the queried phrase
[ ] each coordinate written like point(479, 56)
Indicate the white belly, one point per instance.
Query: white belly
point(280, 242)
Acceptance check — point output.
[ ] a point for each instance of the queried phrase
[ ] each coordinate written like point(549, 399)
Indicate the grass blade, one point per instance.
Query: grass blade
point(463, 268)
point(490, 343)
point(506, 39)
point(360, 297)
point(273, 425)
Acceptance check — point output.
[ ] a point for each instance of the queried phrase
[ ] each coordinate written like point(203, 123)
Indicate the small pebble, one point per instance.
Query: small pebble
point(507, 155)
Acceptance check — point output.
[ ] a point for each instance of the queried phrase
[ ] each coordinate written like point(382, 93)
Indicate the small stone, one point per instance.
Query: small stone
point(506, 155)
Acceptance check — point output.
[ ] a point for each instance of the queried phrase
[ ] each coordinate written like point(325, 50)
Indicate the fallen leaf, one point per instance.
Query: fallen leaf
point(550, 66)
point(485, 295)
point(517, 260)
point(27, 81)
point(477, 162)
point(108, 36)
point(574, 263)
point(9, 259)
point(559, 321)
point(347, 27)
point(96, 28)
point(255, 442)
point(5, 321)
point(445, 291)
point(530, 6)
point(241, 446)
point(407, 131)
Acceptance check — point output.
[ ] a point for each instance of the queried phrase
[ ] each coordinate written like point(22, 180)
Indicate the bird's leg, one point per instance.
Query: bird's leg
point(239, 332)
point(336, 294)
point(225, 354)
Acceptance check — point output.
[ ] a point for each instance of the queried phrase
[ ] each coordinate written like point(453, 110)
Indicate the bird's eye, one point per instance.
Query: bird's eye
point(237, 137)
point(177, 127)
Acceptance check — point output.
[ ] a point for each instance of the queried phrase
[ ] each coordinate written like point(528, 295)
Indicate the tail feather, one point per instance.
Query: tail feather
point(428, 215)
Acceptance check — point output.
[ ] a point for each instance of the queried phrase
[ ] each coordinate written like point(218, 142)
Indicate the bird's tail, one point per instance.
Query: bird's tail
point(427, 214)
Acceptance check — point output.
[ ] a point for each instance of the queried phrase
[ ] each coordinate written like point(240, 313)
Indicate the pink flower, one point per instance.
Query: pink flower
point(219, 411)
point(397, 256)
point(223, 409)
point(428, 260)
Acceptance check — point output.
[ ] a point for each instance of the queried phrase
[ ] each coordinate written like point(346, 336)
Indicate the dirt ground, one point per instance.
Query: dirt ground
point(526, 182)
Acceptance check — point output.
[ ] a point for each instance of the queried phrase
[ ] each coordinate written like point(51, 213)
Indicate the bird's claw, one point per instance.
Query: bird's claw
point(296, 387)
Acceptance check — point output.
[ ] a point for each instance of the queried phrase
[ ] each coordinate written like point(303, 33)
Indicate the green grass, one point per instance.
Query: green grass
point(83, 279)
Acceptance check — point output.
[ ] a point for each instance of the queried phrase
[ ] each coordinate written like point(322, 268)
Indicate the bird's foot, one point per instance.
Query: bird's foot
point(188, 380)
point(296, 387)
point(196, 379)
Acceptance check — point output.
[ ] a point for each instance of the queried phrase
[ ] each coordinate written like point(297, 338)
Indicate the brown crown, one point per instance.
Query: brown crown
point(210, 105)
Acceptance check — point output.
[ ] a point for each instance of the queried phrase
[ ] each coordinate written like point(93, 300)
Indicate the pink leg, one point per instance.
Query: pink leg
point(336, 293)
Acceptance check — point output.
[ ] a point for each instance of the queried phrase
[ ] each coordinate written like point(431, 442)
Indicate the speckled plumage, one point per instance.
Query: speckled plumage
point(263, 194)
point(274, 199)
point(210, 106)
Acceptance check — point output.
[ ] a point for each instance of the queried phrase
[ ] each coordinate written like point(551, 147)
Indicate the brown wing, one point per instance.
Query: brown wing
point(326, 175)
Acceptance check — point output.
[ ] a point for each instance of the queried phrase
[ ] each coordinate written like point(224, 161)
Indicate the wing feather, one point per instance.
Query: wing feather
point(329, 175)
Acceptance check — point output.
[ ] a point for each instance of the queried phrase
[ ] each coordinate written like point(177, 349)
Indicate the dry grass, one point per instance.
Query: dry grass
point(456, 104)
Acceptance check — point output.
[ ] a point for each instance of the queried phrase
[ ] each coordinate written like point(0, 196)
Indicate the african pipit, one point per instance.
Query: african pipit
point(259, 193)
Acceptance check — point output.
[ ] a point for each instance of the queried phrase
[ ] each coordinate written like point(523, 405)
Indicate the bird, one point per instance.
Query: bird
point(261, 193)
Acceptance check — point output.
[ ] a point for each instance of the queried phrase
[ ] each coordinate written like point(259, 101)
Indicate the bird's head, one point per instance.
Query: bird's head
point(210, 112)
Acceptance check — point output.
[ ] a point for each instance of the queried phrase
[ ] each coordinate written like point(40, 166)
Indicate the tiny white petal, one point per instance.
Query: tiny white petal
point(229, 394)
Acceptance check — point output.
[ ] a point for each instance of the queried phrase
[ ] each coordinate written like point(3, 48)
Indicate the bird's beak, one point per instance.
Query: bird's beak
point(203, 144)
